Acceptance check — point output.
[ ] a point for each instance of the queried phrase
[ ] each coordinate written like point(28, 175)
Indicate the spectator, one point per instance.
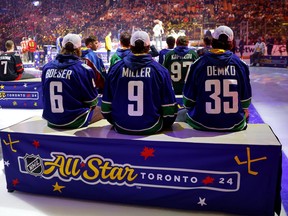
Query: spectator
point(124, 50)
point(158, 31)
point(59, 41)
point(138, 96)
point(32, 46)
point(170, 40)
point(269, 44)
point(259, 50)
point(241, 47)
point(217, 92)
point(178, 62)
point(108, 45)
point(11, 67)
point(24, 49)
point(69, 91)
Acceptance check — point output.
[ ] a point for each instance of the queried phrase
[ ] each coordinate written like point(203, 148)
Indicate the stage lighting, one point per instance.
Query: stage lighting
point(36, 3)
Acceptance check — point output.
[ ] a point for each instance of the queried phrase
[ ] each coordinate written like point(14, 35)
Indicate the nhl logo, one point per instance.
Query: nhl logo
point(34, 164)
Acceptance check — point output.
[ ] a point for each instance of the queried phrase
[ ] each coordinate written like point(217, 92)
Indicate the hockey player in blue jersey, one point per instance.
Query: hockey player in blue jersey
point(69, 90)
point(217, 91)
point(138, 97)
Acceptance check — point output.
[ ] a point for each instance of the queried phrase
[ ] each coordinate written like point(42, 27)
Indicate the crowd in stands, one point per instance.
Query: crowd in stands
point(48, 20)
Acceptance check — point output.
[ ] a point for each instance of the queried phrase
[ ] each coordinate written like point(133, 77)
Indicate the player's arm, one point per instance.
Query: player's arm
point(246, 93)
point(90, 94)
point(106, 105)
point(190, 89)
point(99, 81)
point(19, 68)
point(166, 62)
point(169, 105)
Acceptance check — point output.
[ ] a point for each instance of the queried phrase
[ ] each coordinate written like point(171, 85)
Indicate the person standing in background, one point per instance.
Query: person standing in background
point(108, 45)
point(158, 31)
point(259, 50)
point(269, 44)
point(241, 47)
point(32, 47)
point(24, 49)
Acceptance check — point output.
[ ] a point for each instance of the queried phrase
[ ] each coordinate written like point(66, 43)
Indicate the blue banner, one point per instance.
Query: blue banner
point(234, 178)
point(21, 94)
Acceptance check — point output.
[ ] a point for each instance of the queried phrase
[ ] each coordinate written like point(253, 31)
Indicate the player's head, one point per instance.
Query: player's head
point(140, 42)
point(92, 42)
point(222, 38)
point(125, 39)
point(207, 40)
point(9, 45)
point(71, 45)
point(170, 42)
point(182, 41)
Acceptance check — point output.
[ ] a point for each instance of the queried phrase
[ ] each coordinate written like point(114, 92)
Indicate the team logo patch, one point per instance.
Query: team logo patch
point(34, 164)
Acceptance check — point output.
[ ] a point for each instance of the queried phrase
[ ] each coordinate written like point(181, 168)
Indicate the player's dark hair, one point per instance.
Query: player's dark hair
point(170, 42)
point(222, 43)
point(90, 39)
point(207, 40)
point(68, 49)
point(9, 44)
point(125, 39)
point(182, 41)
point(139, 47)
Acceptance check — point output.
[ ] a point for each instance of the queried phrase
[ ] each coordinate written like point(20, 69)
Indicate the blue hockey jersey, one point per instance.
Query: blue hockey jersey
point(217, 91)
point(69, 92)
point(138, 96)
